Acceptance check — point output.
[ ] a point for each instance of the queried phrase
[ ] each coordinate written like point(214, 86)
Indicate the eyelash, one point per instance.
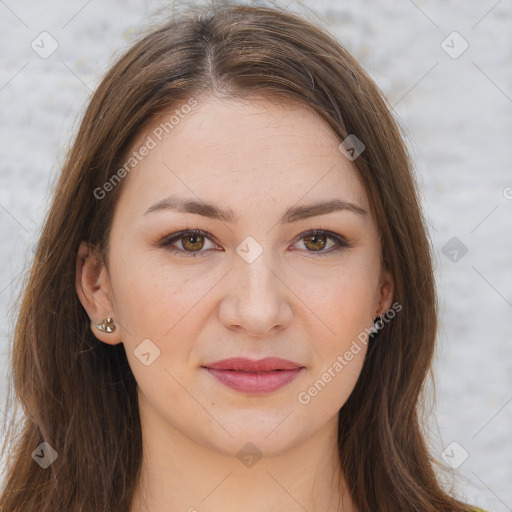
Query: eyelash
point(166, 242)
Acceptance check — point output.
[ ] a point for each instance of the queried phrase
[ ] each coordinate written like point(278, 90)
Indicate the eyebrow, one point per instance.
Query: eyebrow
point(292, 214)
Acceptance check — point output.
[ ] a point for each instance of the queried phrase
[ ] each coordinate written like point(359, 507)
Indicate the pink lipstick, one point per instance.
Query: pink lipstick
point(254, 376)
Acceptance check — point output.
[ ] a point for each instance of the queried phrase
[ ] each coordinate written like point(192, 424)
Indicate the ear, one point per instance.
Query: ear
point(385, 292)
point(94, 291)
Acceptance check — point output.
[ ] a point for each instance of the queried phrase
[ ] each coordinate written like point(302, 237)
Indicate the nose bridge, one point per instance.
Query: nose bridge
point(258, 303)
point(255, 267)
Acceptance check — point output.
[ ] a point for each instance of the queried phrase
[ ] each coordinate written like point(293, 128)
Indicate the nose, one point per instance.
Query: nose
point(257, 299)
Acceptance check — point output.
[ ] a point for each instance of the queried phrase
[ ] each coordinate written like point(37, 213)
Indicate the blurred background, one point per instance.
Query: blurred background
point(446, 68)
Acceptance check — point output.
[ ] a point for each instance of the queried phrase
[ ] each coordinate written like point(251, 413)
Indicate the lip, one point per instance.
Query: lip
point(255, 376)
point(254, 365)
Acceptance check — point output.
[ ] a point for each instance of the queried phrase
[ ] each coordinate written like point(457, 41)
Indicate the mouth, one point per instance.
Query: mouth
point(255, 376)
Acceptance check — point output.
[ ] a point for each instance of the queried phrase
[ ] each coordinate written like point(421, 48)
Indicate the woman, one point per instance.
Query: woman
point(232, 304)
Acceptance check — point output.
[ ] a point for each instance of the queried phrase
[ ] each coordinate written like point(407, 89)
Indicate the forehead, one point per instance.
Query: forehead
point(239, 150)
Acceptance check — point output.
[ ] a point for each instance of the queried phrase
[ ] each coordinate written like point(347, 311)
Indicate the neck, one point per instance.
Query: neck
point(180, 474)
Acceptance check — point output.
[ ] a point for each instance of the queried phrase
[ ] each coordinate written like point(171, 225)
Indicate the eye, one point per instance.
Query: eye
point(316, 239)
point(192, 241)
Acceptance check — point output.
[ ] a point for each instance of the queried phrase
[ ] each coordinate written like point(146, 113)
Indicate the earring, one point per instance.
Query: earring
point(378, 324)
point(380, 320)
point(107, 325)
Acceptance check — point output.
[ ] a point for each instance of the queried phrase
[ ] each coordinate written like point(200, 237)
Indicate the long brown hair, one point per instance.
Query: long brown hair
point(79, 394)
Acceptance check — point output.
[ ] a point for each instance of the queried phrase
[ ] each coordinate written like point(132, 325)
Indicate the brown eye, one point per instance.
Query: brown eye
point(192, 242)
point(315, 242)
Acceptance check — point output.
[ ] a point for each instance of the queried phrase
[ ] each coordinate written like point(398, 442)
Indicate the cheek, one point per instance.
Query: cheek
point(157, 299)
point(342, 300)
point(162, 314)
point(343, 304)
point(339, 348)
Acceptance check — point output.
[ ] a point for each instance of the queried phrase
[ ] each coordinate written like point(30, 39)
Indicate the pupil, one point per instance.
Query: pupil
point(193, 239)
point(316, 239)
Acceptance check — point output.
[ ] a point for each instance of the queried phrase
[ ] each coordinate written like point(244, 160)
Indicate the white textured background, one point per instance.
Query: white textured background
point(456, 113)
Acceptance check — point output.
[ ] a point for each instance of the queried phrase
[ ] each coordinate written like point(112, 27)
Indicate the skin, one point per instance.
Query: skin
point(257, 157)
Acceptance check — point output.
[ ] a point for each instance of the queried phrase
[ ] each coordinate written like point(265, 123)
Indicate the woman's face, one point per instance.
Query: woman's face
point(254, 282)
